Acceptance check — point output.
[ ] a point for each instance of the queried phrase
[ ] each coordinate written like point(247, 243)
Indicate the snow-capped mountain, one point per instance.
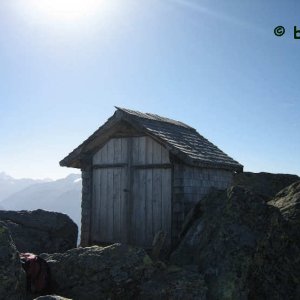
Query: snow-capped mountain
point(62, 195)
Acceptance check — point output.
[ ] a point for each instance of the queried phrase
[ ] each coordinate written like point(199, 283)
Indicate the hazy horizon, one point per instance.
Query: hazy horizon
point(43, 179)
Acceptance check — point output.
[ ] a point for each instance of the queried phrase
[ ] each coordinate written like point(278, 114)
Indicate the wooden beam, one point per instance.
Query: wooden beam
point(153, 166)
point(107, 166)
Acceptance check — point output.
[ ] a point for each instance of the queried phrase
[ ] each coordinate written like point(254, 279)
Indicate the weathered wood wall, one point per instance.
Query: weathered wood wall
point(131, 191)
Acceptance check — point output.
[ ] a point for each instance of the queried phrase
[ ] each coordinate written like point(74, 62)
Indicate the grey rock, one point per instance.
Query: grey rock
point(112, 272)
point(121, 272)
point(243, 246)
point(12, 276)
point(174, 283)
point(276, 264)
point(40, 231)
point(288, 201)
point(267, 185)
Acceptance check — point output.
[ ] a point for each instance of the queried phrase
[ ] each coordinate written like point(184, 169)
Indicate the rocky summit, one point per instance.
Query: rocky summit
point(236, 244)
point(40, 231)
point(244, 247)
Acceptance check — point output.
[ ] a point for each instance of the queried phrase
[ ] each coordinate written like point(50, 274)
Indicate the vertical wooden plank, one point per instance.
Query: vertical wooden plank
point(110, 205)
point(116, 203)
point(149, 150)
point(104, 154)
point(109, 193)
point(149, 234)
point(103, 204)
point(166, 203)
point(124, 191)
point(164, 155)
point(124, 205)
point(142, 150)
point(133, 202)
point(110, 152)
point(130, 192)
point(121, 201)
point(157, 213)
point(93, 214)
point(124, 146)
point(97, 207)
point(149, 194)
point(134, 190)
point(135, 150)
point(117, 149)
point(156, 155)
point(156, 192)
point(138, 213)
point(141, 216)
point(95, 217)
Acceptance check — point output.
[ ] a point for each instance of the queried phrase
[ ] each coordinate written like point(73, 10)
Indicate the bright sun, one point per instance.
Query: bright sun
point(68, 10)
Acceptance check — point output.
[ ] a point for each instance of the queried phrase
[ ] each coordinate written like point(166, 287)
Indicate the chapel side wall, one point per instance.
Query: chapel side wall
point(190, 185)
point(86, 205)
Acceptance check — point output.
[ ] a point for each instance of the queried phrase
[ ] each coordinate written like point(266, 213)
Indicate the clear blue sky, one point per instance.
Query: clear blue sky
point(215, 65)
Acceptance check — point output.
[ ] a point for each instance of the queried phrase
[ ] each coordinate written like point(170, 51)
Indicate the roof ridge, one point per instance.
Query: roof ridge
point(154, 117)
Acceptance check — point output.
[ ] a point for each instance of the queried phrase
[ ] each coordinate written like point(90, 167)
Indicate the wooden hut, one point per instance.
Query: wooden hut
point(142, 173)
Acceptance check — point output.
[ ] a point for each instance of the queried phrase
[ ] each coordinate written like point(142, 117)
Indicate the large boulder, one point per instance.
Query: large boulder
point(106, 272)
point(40, 231)
point(12, 276)
point(267, 185)
point(275, 273)
point(242, 246)
point(120, 272)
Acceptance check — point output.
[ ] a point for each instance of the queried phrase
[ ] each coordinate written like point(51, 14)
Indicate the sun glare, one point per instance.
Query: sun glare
point(66, 10)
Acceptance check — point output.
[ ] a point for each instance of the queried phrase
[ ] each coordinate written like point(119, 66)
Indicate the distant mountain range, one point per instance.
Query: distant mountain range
point(62, 195)
point(10, 185)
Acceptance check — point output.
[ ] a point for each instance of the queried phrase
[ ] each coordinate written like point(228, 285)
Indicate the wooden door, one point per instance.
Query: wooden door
point(109, 211)
point(151, 191)
point(109, 199)
point(151, 205)
point(132, 191)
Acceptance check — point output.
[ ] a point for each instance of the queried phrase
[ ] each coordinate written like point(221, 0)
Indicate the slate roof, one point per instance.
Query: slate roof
point(181, 139)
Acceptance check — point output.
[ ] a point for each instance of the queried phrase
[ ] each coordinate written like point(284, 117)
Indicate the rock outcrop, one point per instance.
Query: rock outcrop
point(12, 276)
point(108, 272)
point(266, 185)
point(275, 273)
point(288, 202)
point(120, 272)
point(243, 247)
point(40, 231)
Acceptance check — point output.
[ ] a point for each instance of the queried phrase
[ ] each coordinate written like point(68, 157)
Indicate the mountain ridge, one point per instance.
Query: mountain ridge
point(61, 195)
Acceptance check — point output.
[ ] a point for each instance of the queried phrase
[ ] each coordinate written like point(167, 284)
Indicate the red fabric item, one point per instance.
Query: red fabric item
point(37, 272)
